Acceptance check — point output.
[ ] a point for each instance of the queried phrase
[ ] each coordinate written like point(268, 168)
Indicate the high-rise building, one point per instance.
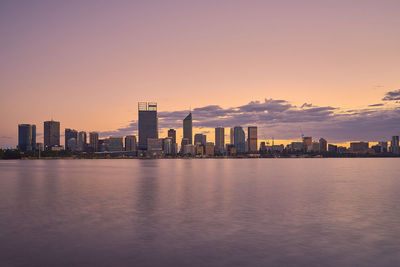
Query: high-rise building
point(252, 139)
point(187, 128)
point(26, 137)
point(51, 134)
point(323, 145)
point(94, 141)
point(130, 143)
point(332, 148)
point(172, 134)
point(82, 141)
point(70, 134)
point(219, 139)
point(384, 146)
point(239, 139)
point(200, 139)
point(232, 136)
point(184, 142)
point(394, 145)
point(167, 146)
point(148, 123)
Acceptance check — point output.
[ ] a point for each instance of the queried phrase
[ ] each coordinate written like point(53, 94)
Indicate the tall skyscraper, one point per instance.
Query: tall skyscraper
point(51, 134)
point(172, 134)
point(130, 143)
point(187, 128)
point(307, 144)
point(323, 145)
point(94, 141)
point(239, 139)
point(219, 139)
point(232, 136)
point(82, 141)
point(148, 123)
point(26, 137)
point(252, 139)
point(70, 134)
point(394, 145)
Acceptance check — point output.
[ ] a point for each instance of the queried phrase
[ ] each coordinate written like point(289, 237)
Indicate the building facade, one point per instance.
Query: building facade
point(219, 139)
point(252, 139)
point(148, 123)
point(130, 143)
point(51, 134)
point(26, 137)
point(94, 141)
point(239, 139)
point(70, 134)
point(187, 128)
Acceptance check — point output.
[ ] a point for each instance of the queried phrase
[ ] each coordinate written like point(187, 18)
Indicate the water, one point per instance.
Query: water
point(216, 212)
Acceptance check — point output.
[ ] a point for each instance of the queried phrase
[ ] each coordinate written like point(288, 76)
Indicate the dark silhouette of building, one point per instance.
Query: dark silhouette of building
point(323, 145)
point(252, 139)
point(51, 134)
point(148, 123)
point(26, 137)
point(69, 134)
point(239, 139)
point(219, 139)
point(359, 147)
point(94, 141)
point(172, 134)
point(187, 128)
point(332, 148)
point(130, 143)
point(200, 139)
point(394, 145)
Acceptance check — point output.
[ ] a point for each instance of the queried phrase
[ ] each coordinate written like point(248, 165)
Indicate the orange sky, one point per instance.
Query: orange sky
point(88, 64)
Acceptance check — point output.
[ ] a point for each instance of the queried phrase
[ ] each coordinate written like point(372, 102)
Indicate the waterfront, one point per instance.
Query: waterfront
point(210, 212)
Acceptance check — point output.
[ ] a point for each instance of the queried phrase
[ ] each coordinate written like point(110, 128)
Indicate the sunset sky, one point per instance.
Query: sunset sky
point(330, 68)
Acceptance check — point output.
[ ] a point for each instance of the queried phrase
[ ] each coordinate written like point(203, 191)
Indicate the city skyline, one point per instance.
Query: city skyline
point(331, 69)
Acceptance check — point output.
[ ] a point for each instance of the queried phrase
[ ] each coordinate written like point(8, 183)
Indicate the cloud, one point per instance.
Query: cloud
point(6, 137)
point(392, 95)
point(376, 105)
point(282, 120)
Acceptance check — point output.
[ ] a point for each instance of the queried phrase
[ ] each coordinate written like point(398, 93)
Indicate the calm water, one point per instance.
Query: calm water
point(230, 212)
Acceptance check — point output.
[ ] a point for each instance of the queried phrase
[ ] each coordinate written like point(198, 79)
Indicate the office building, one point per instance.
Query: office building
point(252, 139)
point(94, 141)
point(70, 134)
point(384, 146)
point(219, 139)
point(130, 143)
point(210, 150)
point(323, 145)
point(148, 123)
point(199, 150)
point(187, 128)
point(263, 147)
point(359, 147)
point(51, 134)
point(172, 134)
point(239, 139)
point(72, 144)
point(200, 139)
point(394, 145)
point(232, 136)
point(167, 145)
point(315, 147)
point(297, 146)
point(114, 144)
point(82, 141)
point(332, 148)
point(189, 150)
point(26, 137)
point(154, 146)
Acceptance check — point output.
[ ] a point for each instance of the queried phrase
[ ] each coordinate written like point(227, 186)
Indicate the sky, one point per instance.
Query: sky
point(328, 68)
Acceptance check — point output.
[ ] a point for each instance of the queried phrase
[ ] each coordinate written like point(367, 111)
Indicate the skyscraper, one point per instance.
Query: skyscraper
point(323, 145)
point(51, 134)
point(148, 123)
point(187, 128)
point(232, 136)
point(172, 134)
point(239, 139)
point(26, 137)
point(130, 143)
point(219, 139)
point(394, 145)
point(252, 139)
point(82, 141)
point(70, 134)
point(94, 141)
